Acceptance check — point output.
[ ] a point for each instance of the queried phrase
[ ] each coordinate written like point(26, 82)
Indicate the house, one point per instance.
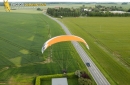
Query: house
point(87, 10)
point(119, 12)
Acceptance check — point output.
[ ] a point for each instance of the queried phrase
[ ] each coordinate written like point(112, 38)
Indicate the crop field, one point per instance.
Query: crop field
point(21, 38)
point(108, 39)
point(23, 32)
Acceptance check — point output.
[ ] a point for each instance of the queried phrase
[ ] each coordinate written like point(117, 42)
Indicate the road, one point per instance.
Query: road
point(94, 71)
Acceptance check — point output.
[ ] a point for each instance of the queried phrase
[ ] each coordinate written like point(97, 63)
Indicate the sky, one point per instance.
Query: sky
point(67, 0)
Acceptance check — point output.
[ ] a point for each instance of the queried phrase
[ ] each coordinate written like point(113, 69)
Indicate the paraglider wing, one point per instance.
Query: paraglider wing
point(6, 5)
point(62, 38)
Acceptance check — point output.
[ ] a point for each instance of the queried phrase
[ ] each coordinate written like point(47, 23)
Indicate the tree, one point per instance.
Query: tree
point(84, 75)
point(39, 9)
point(81, 81)
point(129, 10)
point(77, 73)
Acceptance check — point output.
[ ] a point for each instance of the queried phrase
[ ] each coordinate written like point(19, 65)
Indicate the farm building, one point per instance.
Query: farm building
point(119, 12)
point(59, 81)
point(87, 10)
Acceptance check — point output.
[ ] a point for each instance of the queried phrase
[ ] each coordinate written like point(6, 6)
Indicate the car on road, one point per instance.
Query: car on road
point(88, 64)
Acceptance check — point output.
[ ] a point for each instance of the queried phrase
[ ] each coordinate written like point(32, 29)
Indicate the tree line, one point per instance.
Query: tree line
point(105, 14)
point(66, 12)
point(98, 10)
point(103, 11)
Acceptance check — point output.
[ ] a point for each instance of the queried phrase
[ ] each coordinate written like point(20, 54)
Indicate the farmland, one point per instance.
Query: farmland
point(23, 32)
point(21, 38)
point(109, 40)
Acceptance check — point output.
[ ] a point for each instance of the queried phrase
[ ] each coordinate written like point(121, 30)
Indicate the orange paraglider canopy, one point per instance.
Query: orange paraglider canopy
point(62, 38)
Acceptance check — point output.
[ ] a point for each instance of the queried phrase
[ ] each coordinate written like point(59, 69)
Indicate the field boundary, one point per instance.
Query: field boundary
point(48, 77)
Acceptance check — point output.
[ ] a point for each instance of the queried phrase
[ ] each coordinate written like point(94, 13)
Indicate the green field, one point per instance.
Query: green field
point(21, 38)
point(108, 39)
point(23, 32)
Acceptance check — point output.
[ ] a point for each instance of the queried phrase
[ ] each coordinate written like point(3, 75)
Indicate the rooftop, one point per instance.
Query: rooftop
point(59, 81)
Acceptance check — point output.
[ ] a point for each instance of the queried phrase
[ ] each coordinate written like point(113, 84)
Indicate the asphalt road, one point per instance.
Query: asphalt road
point(94, 71)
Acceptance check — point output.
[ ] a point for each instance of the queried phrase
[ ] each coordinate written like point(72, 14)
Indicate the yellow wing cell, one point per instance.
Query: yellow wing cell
point(6, 5)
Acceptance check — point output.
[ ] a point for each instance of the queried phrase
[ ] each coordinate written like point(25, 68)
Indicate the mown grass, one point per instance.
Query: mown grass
point(21, 38)
point(109, 40)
